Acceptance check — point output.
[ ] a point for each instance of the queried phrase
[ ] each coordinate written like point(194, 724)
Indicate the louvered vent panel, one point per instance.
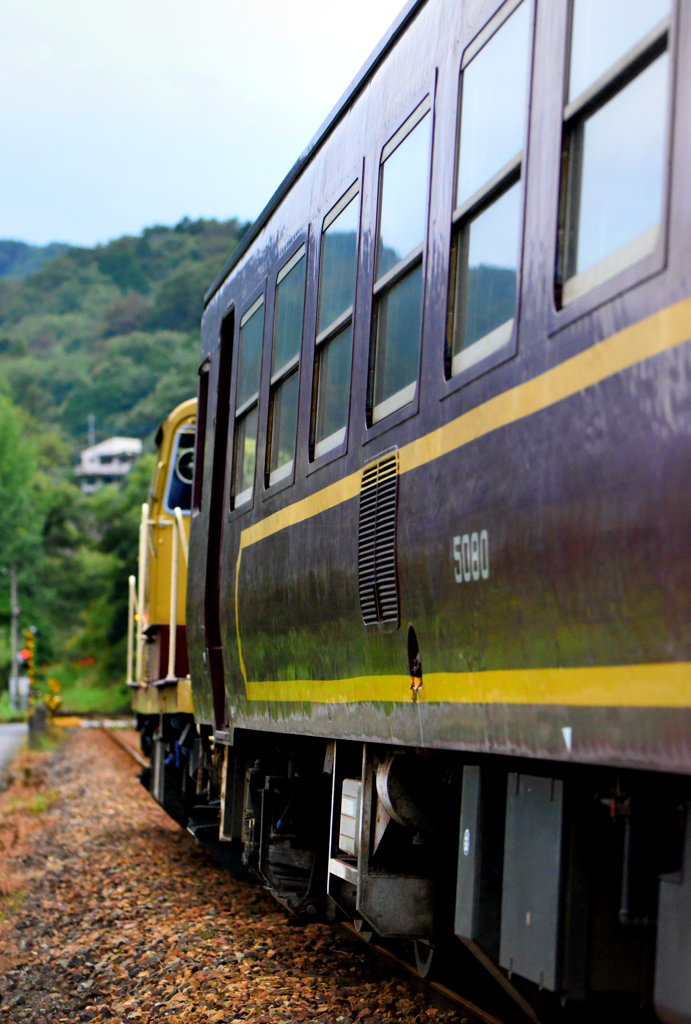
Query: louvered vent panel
point(377, 542)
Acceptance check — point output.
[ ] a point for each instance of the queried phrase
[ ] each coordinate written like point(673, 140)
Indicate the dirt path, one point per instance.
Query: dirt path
point(109, 912)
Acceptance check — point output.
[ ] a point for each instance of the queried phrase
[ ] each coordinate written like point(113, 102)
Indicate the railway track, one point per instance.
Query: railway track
point(126, 740)
point(436, 992)
point(390, 961)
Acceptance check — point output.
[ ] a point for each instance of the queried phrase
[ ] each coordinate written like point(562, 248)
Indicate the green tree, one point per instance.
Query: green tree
point(111, 331)
point(20, 516)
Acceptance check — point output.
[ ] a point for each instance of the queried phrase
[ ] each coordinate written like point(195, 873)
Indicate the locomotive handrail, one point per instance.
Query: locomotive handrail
point(177, 512)
point(178, 521)
point(141, 589)
point(133, 610)
point(137, 593)
point(179, 544)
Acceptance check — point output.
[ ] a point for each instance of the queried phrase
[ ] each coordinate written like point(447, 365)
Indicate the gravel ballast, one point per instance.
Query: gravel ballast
point(110, 912)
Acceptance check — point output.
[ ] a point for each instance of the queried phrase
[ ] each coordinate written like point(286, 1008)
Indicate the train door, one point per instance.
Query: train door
point(212, 611)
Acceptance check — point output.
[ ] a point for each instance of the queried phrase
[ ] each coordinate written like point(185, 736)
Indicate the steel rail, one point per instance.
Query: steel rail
point(440, 994)
point(128, 748)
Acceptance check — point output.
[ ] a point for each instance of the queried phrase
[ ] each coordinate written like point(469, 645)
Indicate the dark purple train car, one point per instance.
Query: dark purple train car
point(438, 596)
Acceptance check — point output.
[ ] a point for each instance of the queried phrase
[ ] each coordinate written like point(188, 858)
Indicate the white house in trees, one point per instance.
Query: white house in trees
point(106, 461)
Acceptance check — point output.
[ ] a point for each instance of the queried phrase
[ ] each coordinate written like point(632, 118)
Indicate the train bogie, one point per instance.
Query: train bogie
point(541, 885)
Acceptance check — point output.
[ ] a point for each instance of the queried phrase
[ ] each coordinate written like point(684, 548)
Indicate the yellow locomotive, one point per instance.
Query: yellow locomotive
point(158, 667)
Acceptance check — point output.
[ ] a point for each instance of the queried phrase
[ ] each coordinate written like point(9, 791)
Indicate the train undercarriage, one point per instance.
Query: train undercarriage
point(553, 892)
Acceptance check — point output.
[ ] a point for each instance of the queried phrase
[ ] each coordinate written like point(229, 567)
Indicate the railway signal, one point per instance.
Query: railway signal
point(27, 653)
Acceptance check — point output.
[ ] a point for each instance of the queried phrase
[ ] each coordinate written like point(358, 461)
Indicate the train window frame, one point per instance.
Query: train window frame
point(222, 425)
point(334, 444)
point(500, 343)
point(242, 501)
point(381, 415)
point(634, 261)
point(284, 475)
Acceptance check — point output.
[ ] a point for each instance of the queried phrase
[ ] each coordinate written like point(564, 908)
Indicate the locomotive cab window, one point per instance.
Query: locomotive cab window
point(487, 215)
point(334, 344)
point(246, 401)
point(398, 287)
point(285, 367)
point(179, 489)
point(614, 140)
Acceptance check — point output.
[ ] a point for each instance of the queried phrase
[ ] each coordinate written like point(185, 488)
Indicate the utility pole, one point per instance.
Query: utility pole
point(14, 634)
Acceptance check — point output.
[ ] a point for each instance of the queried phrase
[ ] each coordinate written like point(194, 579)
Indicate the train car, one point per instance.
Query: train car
point(438, 603)
point(158, 666)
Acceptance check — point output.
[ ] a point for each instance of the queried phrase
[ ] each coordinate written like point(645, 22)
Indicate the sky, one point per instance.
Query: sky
point(117, 116)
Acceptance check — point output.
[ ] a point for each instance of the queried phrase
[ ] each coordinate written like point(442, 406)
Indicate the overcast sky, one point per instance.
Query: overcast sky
point(116, 116)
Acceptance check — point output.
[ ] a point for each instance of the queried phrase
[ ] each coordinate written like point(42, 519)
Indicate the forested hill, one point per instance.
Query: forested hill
point(111, 331)
point(17, 259)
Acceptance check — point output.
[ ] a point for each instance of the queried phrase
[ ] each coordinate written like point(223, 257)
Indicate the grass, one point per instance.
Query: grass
point(91, 699)
point(11, 903)
point(7, 714)
point(37, 803)
point(84, 693)
point(81, 692)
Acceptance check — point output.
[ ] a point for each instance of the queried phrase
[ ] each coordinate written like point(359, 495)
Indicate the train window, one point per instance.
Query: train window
point(487, 216)
point(247, 397)
point(179, 489)
point(601, 33)
point(285, 364)
point(333, 357)
point(614, 140)
point(403, 205)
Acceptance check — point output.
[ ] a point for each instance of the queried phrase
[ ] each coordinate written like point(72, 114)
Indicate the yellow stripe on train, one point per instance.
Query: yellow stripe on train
point(664, 330)
point(658, 333)
point(666, 684)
